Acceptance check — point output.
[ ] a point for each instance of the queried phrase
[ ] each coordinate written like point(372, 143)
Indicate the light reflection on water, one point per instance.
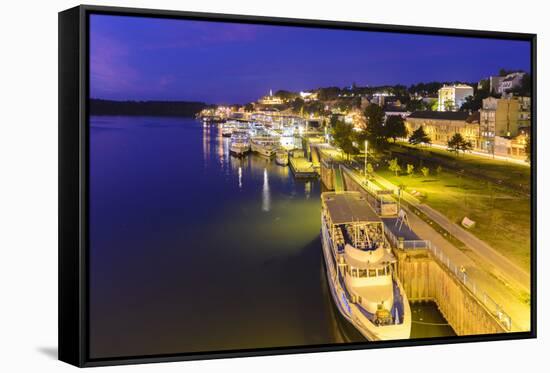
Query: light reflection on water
point(266, 198)
point(240, 177)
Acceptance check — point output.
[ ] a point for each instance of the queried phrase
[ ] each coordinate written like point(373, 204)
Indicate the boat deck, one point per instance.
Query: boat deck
point(301, 167)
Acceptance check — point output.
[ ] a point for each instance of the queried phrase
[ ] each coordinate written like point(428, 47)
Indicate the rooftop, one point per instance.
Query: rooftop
point(456, 86)
point(442, 115)
point(348, 207)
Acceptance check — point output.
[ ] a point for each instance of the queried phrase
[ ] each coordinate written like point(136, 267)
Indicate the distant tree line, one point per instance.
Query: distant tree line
point(146, 108)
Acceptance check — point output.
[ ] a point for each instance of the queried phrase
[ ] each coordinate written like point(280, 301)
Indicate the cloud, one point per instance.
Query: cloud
point(192, 34)
point(110, 69)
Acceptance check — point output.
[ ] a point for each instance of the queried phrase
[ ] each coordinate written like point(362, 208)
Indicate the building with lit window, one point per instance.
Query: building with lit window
point(511, 147)
point(501, 84)
point(524, 114)
point(440, 126)
point(451, 97)
point(270, 99)
point(498, 117)
point(510, 81)
point(309, 96)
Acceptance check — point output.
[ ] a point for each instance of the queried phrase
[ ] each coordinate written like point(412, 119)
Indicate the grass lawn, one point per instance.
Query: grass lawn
point(502, 216)
point(507, 173)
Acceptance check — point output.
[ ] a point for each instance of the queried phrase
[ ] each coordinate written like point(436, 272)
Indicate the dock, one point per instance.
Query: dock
point(302, 168)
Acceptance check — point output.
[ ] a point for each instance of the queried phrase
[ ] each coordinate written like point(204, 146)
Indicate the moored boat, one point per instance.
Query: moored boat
point(240, 143)
point(281, 157)
point(264, 145)
point(227, 129)
point(360, 268)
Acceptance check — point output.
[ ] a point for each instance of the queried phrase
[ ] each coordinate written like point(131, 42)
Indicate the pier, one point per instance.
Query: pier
point(301, 167)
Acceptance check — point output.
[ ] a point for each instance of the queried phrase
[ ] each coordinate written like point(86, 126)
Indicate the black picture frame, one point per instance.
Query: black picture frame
point(73, 183)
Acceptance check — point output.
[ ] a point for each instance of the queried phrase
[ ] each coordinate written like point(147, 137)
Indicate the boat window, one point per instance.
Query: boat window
point(363, 273)
point(353, 272)
point(372, 272)
point(381, 271)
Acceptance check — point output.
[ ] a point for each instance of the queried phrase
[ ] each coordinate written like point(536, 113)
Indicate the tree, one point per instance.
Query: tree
point(395, 127)
point(375, 132)
point(314, 107)
point(524, 88)
point(343, 136)
point(439, 170)
point(410, 169)
point(414, 105)
point(474, 103)
point(249, 107)
point(394, 166)
point(370, 170)
point(419, 137)
point(504, 72)
point(425, 171)
point(285, 95)
point(297, 105)
point(449, 105)
point(457, 144)
point(328, 93)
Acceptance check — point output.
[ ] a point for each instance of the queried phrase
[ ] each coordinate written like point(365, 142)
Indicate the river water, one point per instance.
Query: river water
point(194, 250)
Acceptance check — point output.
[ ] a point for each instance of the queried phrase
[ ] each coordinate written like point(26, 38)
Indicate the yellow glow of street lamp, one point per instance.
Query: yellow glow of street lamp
point(366, 147)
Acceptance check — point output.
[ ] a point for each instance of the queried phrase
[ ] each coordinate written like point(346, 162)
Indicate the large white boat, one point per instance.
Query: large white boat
point(265, 145)
point(281, 157)
point(360, 268)
point(240, 143)
point(227, 129)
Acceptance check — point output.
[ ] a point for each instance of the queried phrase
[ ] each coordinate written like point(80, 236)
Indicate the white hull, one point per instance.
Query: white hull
point(239, 150)
point(281, 159)
point(350, 310)
point(266, 151)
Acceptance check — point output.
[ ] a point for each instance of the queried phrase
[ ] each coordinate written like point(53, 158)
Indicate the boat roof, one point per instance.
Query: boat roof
point(365, 259)
point(348, 208)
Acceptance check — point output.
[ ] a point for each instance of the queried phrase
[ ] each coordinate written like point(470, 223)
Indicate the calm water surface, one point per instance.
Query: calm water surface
point(195, 250)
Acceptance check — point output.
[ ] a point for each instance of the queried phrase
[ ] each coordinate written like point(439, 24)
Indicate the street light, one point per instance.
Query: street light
point(366, 149)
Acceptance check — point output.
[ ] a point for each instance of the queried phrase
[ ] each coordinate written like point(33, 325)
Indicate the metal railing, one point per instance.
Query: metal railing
point(405, 244)
point(460, 273)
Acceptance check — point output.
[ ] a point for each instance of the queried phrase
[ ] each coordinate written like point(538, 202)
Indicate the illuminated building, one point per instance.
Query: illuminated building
point(451, 98)
point(440, 126)
point(270, 99)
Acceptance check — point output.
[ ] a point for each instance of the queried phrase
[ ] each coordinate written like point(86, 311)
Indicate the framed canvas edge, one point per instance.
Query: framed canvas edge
point(74, 268)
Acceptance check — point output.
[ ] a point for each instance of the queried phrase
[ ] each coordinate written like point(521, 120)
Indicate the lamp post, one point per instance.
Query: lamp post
point(366, 149)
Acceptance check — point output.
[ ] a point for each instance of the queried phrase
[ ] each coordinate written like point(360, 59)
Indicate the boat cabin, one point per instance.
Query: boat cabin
point(350, 220)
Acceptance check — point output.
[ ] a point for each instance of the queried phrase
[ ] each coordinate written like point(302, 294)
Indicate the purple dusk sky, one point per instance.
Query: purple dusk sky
point(136, 58)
